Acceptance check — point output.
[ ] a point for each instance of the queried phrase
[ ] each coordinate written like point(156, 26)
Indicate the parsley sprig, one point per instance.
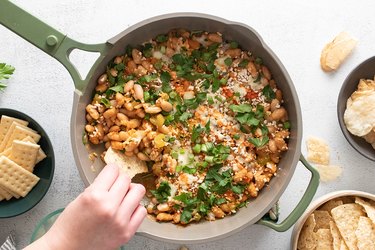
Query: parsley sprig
point(6, 71)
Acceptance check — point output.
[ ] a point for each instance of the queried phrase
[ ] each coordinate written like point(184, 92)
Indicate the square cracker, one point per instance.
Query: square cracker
point(1, 197)
point(365, 234)
point(15, 178)
point(317, 151)
point(6, 122)
point(20, 133)
point(13, 194)
point(9, 133)
point(346, 217)
point(324, 239)
point(41, 155)
point(370, 210)
point(24, 154)
point(5, 194)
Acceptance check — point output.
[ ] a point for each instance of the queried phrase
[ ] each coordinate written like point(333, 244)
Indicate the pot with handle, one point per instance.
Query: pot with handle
point(60, 46)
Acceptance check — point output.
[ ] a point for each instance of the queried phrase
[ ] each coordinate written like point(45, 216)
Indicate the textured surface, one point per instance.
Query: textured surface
point(295, 30)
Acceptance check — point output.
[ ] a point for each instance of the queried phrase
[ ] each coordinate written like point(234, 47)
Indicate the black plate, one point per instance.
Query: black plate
point(44, 170)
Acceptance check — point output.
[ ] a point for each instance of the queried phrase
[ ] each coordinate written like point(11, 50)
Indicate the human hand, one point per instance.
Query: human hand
point(105, 216)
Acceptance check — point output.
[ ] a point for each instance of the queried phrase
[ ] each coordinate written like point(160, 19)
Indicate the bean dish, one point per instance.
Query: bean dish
point(206, 116)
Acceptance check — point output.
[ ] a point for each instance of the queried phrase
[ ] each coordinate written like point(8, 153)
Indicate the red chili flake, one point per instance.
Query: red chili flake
point(251, 94)
point(227, 92)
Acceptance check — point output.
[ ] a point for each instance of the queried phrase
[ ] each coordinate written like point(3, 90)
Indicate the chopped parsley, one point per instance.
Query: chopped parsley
point(162, 192)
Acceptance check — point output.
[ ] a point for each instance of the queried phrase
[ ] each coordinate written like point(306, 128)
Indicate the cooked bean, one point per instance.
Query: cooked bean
point(89, 128)
point(148, 66)
point(218, 212)
point(275, 104)
point(143, 157)
point(133, 123)
point(166, 106)
point(114, 136)
point(238, 176)
point(164, 129)
point(137, 56)
point(110, 113)
point(103, 79)
point(140, 113)
point(113, 72)
point(107, 145)
point(118, 60)
point(94, 139)
point(194, 44)
point(129, 153)
point(164, 217)
point(122, 118)
point(252, 190)
point(91, 109)
point(123, 135)
point(266, 72)
point(252, 69)
point(279, 95)
point(117, 145)
point(120, 99)
point(163, 207)
point(152, 109)
point(278, 114)
point(140, 71)
point(214, 37)
point(101, 88)
point(228, 207)
point(281, 144)
point(128, 86)
point(234, 53)
point(89, 118)
point(114, 128)
point(176, 219)
point(131, 66)
point(138, 92)
point(272, 146)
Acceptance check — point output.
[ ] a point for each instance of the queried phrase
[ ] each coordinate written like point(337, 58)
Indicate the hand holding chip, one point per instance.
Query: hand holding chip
point(105, 216)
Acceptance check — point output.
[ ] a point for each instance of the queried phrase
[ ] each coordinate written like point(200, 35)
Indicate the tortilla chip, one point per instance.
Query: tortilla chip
point(346, 218)
point(329, 205)
point(307, 237)
point(324, 240)
point(343, 246)
point(130, 165)
point(365, 234)
point(322, 220)
point(336, 237)
point(370, 210)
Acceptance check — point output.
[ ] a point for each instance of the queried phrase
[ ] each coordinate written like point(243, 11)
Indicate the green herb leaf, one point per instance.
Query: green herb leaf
point(106, 102)
point(259, 142)
point(118, 88)
point(161, 38)
point(238, 189)
point(242, 108)
point(185, 116)
point(162, 192)
point(258, 60)
point(185, 216)
point(268, 92)
point(233, 45)
point(286, 125)
point(236, 136)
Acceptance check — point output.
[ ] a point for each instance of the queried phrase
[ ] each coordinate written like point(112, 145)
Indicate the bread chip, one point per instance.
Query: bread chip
point(346, 218)
point(317, 151)
point(359, 116)
point(365, 234)
point(324, 240)
point(335, 52)
point(329, 173)
point(307, 237)
point(370, 210)
point(130, 165)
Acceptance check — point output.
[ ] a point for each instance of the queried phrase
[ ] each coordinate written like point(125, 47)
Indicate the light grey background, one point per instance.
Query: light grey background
point(295, 30)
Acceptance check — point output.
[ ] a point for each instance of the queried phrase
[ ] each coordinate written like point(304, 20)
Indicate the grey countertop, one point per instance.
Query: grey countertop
point(295, 30)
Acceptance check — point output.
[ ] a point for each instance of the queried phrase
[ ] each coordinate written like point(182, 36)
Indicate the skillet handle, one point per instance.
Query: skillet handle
point(301, 206)
point(51, 41)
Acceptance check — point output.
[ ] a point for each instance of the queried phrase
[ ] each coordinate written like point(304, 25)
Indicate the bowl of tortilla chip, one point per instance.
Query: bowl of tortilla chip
point(338, 220)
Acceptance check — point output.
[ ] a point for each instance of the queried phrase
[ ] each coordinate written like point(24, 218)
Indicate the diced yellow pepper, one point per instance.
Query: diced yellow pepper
point(159, 141)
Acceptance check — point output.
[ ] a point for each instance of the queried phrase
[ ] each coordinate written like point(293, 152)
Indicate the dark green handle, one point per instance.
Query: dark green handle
point(49, 40)
point(301, 206)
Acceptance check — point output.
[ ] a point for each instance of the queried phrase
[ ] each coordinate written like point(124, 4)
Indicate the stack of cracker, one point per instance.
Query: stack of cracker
point(19, 153)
